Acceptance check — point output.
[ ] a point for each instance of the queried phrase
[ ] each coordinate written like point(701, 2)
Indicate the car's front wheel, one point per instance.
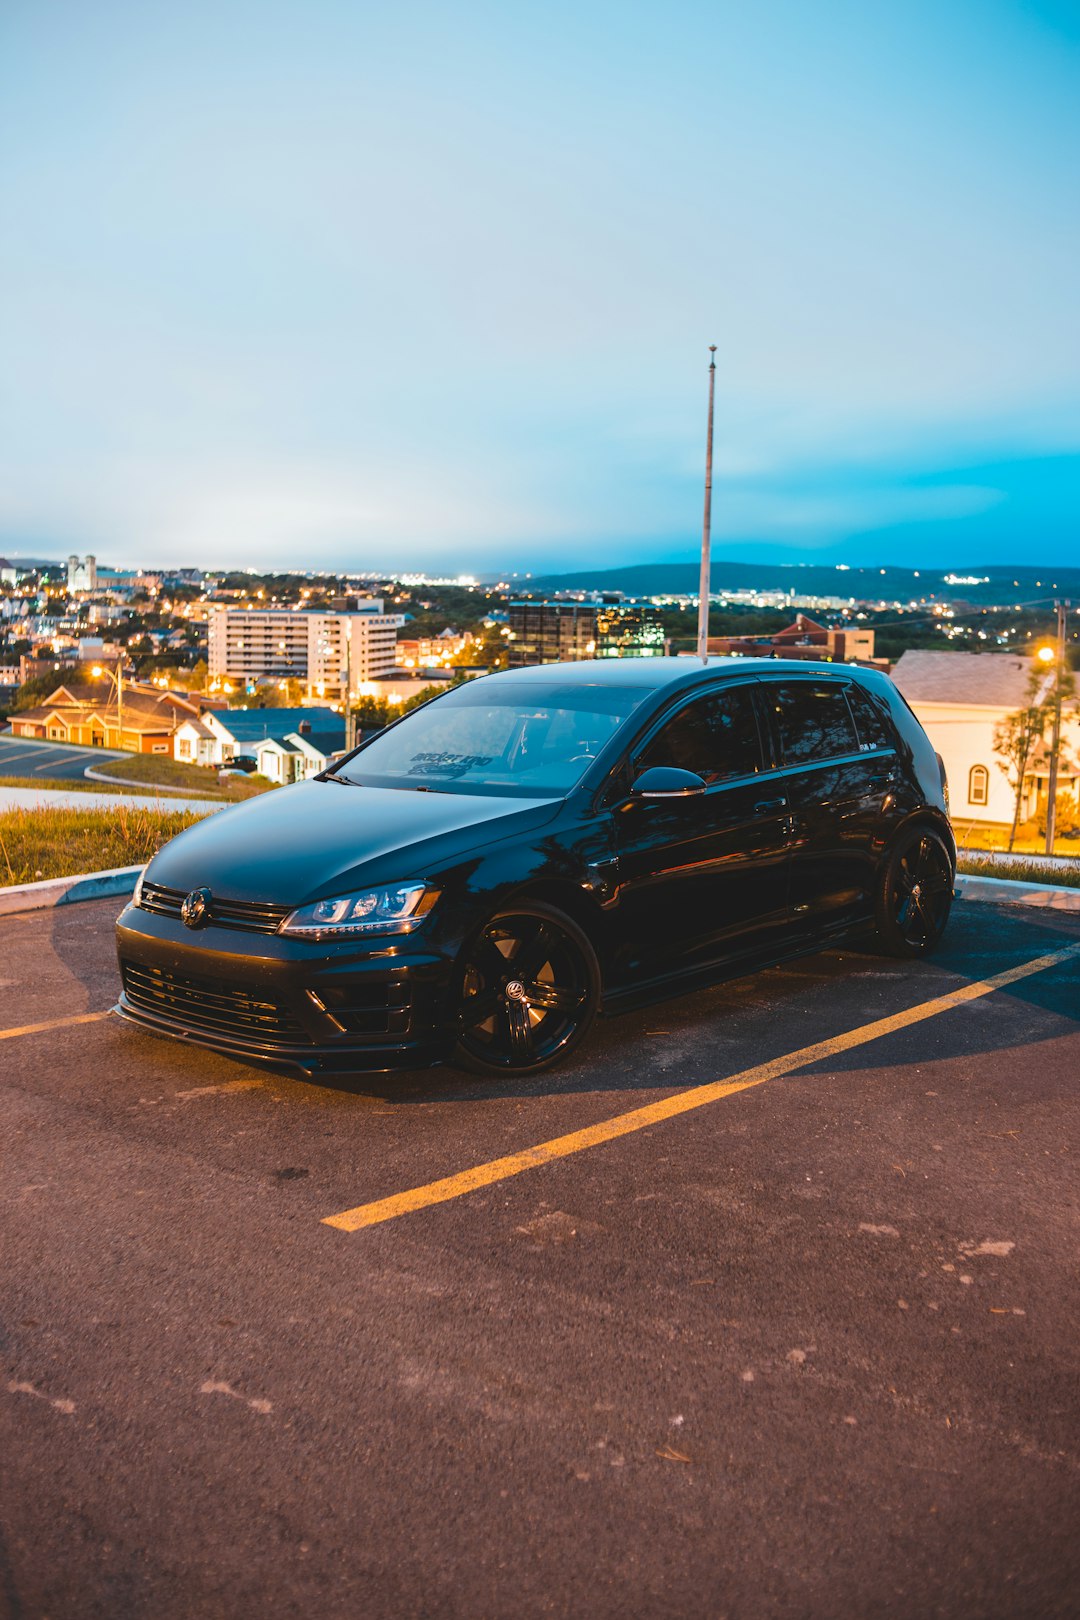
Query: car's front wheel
point(914, 896)
point(529, 989)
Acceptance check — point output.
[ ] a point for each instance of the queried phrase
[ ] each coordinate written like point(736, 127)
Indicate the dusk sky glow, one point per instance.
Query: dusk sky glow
point(324, 283)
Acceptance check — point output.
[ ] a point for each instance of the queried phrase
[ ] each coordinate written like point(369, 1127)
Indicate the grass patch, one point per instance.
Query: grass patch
point(37, 844)
point(159, 770)
point(1023, 871)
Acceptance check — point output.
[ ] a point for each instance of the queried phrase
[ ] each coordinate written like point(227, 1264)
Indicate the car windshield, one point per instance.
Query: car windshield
point(528, 742)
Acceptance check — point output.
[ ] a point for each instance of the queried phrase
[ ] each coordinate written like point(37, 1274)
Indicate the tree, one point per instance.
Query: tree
point(283, 694)
point(33, 692)
point(1016, 738)
point(425, 693)
point(371, 713)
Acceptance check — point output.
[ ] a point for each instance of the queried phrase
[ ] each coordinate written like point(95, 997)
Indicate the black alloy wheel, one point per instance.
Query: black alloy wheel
point(529, 991)
point(915, 894)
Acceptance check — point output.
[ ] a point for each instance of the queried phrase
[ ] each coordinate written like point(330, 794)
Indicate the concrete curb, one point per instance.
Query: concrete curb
point(119, 880)
point(1008, 891)
point(94, 800)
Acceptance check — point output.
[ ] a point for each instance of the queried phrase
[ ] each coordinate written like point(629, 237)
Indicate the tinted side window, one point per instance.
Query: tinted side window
point(873, 727)
point(814, 722)
point(717, 737)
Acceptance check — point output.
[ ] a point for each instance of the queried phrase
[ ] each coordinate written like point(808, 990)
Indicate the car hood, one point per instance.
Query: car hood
point(315, 839)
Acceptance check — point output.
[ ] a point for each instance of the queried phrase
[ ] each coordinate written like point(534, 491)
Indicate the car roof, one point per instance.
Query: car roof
point(657, 673)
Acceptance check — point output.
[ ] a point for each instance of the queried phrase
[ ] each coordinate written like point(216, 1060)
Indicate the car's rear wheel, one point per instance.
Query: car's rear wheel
point(915, 893)
point(528, 992)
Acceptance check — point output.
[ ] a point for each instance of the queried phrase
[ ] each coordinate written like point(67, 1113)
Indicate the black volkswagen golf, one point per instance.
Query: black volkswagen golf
point(475, 882)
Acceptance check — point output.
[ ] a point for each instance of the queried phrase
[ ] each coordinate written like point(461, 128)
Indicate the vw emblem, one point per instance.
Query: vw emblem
point(195, 910)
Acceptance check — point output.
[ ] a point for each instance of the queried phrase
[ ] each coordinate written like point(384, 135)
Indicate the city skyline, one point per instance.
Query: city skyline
point(308, 286)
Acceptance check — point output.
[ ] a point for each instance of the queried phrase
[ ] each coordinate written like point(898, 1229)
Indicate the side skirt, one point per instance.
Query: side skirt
point(646, 993)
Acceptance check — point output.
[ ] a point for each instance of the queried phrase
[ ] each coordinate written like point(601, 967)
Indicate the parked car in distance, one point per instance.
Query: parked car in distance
point(474, 883)
point(239, 765)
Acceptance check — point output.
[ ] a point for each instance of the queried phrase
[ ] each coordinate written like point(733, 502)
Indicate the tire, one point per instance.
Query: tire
point(914, 897)
point(528, 992)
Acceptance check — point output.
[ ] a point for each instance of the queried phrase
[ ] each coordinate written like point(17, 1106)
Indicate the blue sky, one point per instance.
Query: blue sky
point(431, 285)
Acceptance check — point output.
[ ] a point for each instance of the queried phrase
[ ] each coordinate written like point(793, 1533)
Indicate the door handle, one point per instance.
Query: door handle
point(766, 805)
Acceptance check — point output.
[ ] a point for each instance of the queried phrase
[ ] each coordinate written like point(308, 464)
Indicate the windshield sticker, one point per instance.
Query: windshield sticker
point(444, 764)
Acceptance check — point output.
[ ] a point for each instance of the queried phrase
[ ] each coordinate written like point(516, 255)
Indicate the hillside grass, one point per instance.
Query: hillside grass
point(38, 844)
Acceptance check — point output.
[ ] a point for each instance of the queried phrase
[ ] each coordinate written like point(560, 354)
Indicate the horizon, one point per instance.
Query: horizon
point(584, 579)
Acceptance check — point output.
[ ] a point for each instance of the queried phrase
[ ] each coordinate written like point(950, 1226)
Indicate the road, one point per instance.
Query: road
point(805, 1349)
point(20, 756)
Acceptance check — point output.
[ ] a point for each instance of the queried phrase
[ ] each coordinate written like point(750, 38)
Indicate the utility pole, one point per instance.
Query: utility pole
point(120, 699)
point(1055, 739)
point(706, 531)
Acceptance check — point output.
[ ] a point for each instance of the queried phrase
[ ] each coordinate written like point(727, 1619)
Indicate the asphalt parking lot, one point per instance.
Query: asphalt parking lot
point(21, 756)
point(807, 1348)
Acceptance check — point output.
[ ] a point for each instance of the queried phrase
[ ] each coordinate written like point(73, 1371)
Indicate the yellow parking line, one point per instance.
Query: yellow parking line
point(54, 1023)
point(482, 1175)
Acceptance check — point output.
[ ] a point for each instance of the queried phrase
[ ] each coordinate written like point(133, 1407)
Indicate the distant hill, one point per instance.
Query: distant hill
point(997, 585)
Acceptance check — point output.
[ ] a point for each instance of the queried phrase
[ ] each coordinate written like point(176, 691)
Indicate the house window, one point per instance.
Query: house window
point(978, 784)
point(161, 748)
point(183, 748)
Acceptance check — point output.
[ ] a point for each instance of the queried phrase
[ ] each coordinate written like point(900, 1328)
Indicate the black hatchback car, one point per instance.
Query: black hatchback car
point(475, 882)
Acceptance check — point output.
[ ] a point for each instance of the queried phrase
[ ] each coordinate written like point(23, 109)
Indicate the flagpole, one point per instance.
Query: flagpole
point(706, 532)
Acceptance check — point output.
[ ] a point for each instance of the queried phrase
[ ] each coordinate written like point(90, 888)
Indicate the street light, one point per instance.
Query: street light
point(1055, 655)
point(118, 679)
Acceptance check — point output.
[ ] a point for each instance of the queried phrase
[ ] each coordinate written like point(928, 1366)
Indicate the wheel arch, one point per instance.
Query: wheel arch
point(573, 900)
point(923, 817)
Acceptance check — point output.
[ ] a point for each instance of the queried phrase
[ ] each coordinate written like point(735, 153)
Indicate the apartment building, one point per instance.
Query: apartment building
point(249, 645)
point(561, 632)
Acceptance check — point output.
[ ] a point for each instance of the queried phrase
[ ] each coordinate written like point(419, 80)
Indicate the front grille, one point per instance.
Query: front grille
point(247, 916)
point(368, 1006)
point(210, 1005)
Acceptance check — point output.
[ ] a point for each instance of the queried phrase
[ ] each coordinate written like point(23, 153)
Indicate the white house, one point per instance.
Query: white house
point(960, 698)
point(197, 743)
point(299, 755)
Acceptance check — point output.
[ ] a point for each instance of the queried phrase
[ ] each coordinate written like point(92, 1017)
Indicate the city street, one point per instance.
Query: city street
point(805, 1348)
point(21, 756)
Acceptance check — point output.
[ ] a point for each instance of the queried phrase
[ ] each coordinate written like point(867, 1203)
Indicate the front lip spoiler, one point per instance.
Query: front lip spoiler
point(308, 1062)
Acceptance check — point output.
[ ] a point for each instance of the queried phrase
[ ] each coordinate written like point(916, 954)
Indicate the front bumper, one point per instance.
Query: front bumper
point(329, 1008)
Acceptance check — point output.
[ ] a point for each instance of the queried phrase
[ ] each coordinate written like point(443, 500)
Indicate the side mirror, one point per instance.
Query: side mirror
point(666, 782)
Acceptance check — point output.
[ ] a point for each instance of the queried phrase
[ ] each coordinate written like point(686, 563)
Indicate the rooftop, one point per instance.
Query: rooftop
point(984, 680)
point(252, 725)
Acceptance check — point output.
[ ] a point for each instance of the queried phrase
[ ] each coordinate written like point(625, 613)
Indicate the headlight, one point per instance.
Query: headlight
point(136, 896)
point(396, 909)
